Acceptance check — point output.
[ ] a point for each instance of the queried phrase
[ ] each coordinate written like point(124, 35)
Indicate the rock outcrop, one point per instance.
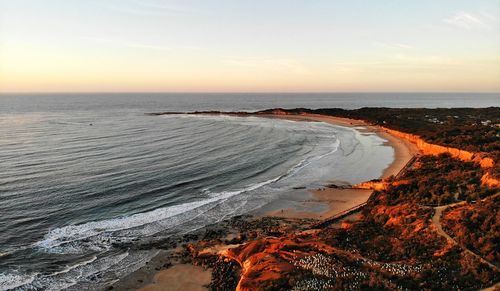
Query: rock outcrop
point(489, 181)
point(378, 185)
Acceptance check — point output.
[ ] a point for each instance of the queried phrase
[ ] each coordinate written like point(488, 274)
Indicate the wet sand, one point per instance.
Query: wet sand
point(336, 200)
point(179, 278)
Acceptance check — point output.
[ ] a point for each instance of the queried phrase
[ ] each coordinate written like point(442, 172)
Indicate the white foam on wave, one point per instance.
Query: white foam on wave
point(77, 265)
point(227, 194)
point(55, 281)
point(2, 254)
point(72, 275)
point(256, 121)
point(70, 235)
point(14, 280)
point(307, 161)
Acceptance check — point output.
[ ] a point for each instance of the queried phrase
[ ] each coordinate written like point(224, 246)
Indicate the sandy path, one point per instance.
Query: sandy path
point(436, 221)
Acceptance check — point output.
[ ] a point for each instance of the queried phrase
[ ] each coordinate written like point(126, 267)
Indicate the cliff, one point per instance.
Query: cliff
point(378, 185)
point(260, 261)
point(433, 149)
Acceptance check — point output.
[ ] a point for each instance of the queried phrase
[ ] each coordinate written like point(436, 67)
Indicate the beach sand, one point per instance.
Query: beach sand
point(179, 278)
point(337, 200)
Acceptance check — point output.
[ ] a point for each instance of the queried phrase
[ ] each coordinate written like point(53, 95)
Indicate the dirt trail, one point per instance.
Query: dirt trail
point(436, 221)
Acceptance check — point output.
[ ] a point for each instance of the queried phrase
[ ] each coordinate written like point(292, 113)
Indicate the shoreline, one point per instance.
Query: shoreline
point(403, 149)
point(336, 200)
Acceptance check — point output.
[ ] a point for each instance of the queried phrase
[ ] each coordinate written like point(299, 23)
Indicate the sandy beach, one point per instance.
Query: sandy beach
point(338, 199)
point(403, 149)
point(180, 277)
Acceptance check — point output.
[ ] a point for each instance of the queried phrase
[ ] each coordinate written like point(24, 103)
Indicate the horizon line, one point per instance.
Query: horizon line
point(243, 92)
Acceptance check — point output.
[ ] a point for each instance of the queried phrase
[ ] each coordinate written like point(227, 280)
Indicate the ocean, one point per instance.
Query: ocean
point(83, 176)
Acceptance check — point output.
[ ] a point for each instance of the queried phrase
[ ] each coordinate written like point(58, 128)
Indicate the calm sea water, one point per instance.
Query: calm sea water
point(83, 174)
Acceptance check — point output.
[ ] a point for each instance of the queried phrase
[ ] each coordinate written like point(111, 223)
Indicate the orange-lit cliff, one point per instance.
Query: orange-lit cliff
point(433, 149)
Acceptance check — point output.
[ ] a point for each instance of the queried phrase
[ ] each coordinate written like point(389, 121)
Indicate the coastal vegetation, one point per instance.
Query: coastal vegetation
point(476, 226)
point(439, 180)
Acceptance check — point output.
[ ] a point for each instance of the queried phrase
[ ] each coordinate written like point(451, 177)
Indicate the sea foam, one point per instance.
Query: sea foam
point(64, 239)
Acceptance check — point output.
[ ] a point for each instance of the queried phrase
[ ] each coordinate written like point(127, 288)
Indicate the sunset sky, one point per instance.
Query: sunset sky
point(250, 45)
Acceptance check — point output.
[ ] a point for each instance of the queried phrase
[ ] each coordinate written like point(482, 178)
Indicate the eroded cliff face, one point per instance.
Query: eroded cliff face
point(433, 149)
point(262, 261)
point(370, 185)
point(378, 185)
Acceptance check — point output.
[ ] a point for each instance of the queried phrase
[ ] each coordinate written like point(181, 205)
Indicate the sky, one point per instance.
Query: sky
point(249, 45)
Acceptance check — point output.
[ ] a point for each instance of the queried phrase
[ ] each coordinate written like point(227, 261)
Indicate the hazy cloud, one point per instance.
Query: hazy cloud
point(466, 20)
